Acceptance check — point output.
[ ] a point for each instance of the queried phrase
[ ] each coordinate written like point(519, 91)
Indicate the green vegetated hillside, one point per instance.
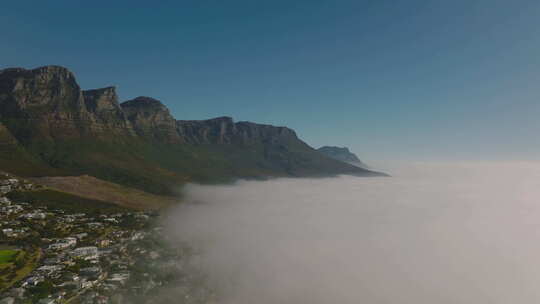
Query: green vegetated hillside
point(15, 158)
point(50, 127)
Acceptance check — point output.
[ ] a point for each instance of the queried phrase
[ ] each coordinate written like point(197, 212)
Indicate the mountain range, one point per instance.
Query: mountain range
point(49, 126)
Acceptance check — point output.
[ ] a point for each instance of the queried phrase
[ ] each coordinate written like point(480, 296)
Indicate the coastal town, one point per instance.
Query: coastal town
point(51, 255)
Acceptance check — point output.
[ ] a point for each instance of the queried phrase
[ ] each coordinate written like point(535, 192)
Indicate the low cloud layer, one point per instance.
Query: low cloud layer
point(433, 233)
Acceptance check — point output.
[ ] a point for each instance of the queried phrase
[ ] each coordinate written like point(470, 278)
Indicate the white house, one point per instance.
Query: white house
point(88, 253)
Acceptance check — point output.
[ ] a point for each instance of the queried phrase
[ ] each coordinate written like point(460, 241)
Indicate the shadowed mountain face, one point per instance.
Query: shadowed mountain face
point(342, 154)
point(49, 126)
point(151, 119)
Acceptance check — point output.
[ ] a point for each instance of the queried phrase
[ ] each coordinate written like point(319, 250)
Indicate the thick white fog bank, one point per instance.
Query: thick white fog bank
point(432, 233)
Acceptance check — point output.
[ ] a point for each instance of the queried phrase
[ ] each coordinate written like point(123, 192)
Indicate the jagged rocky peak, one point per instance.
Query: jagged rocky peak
point(101, 99)
point(48, 103)
point(224, 120)
point(257, 129)
point(253, 132)
point(215, 130)
point(45, 102)
point(45, 72)
point(342, 154)
point(37, 80)
point(142, 108)
point(150, 118)
point(223, 130)
point(106, 111)
point(218, 121)
point(52, 86)
point(144, 102)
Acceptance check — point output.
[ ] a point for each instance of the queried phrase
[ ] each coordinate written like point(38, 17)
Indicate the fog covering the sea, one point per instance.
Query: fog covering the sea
point(431, 233)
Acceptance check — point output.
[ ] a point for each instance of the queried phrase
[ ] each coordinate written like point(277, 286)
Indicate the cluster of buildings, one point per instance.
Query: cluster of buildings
point(8, 184)
point(80, 256)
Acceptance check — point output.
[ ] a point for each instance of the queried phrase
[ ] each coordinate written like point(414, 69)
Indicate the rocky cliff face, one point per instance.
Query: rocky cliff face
point(47, 102)
point(107, 114)
point(218, 130)
point(151, 119)
point(43, 103)
point(45, 116)
point(50, 88)
point(223, 130)
point(342, 154)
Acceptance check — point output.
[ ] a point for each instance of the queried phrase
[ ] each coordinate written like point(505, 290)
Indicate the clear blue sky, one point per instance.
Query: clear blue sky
point(405, 80)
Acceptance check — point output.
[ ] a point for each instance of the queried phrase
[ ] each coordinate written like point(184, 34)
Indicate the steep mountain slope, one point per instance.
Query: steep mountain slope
point(14, 158)
point(342, 154)
point(50, 127)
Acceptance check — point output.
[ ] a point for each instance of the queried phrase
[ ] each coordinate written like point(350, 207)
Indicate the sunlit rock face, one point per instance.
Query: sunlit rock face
point(43, 102)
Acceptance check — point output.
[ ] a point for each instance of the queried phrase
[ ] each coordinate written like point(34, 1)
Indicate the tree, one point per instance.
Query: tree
point(42, 290)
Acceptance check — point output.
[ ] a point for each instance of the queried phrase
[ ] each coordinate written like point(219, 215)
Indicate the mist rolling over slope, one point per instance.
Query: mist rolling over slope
point(434, 233)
